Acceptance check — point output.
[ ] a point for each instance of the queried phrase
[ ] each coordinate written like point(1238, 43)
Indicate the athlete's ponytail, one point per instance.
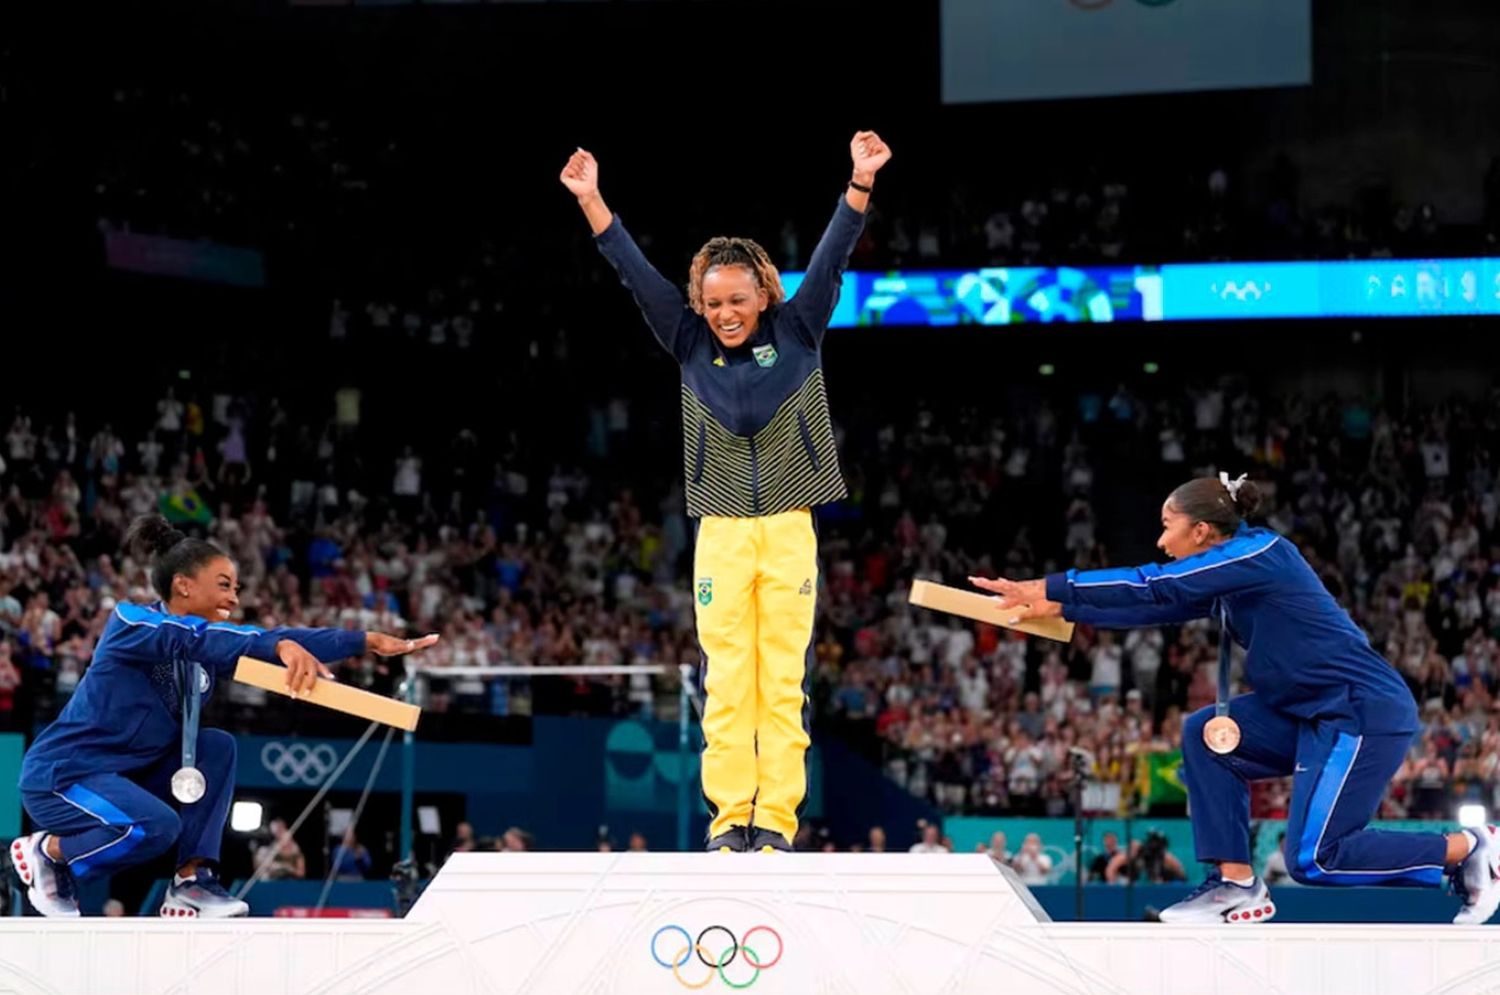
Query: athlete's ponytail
point(1218, 501)
point(170, 552)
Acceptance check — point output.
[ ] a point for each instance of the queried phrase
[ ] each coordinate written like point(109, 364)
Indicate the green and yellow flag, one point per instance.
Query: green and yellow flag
point(1161, 778)
point(185, 508)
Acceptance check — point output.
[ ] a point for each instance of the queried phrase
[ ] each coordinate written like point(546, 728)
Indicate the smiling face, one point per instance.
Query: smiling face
point(732, 303)
point(1181, 536)
point(213, 592)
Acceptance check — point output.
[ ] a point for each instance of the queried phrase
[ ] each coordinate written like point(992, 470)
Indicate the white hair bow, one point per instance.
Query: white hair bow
point(1232, 486)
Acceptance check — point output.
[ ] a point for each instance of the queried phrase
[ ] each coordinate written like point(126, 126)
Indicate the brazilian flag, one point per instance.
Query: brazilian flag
point(1161, 779)
point(185, 508)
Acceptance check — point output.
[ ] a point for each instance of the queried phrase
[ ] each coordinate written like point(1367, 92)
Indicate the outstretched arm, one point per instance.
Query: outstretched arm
point(151, 636)
point(1031, 599)
point(660, 301)
point(813, 303)
point(1147, 595)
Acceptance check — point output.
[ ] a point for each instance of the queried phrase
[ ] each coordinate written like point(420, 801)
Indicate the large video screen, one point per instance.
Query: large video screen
point(1175, 292)
point(1047, 49)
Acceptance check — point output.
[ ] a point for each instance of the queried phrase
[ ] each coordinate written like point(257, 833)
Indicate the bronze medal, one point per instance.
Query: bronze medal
point(1221, 734)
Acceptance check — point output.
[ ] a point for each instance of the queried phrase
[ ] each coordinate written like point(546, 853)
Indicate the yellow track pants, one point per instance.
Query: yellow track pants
point(756, 588)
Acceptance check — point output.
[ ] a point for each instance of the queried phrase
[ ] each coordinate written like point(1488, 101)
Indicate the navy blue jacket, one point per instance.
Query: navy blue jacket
point(757, 436)
point(126, 713)
point(1305, 655)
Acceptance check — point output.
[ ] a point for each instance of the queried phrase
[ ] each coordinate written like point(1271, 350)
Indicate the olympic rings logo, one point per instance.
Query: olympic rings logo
point(299, 763)
point(735, 948)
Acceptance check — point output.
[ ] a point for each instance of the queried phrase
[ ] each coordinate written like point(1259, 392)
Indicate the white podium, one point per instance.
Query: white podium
point(645, 922)
point(809, 924)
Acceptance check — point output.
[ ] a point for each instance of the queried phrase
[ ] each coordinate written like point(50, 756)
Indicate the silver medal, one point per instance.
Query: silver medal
point(188, 785)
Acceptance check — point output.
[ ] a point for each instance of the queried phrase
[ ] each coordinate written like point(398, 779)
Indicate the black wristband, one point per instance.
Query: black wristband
point(861, 187)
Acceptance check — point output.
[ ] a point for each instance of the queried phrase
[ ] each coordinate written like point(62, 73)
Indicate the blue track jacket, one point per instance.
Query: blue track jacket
point(1306, 657)
point(126, 714)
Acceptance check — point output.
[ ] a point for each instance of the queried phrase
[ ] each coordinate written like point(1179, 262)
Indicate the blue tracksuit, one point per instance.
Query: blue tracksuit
point(1326, 708)
point(99, 776)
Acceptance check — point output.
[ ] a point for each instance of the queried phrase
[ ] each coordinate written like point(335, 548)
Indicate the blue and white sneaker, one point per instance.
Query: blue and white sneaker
point(1477, 879)
point(201, 897)
point(49, 885)
point(1217, 900)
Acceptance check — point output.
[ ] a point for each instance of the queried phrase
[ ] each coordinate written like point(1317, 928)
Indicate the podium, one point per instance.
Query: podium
point(646, 922)
point(774, 924)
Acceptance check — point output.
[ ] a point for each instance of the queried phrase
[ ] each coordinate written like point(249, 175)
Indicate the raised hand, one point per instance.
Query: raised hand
point(869, 152)
point(581, 175)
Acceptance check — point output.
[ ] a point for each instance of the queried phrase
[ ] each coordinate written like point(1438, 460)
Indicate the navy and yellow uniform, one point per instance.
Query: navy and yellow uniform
point(758, 455)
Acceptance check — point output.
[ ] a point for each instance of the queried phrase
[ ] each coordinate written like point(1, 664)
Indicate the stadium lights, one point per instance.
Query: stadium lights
point(245, 817)
point(1471, 816)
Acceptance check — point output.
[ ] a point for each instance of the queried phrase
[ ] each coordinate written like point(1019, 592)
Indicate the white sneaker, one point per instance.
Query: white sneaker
point(49, 886)
point(1217, 900)
point(1477, 879)
point(201, 897)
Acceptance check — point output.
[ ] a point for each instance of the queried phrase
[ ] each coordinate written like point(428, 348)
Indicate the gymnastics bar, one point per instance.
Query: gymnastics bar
point(982, 608)
point(440, 672)
point(331, 694)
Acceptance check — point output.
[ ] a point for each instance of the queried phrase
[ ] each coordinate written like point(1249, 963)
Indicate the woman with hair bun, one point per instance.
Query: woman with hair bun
point(97, 781)
point(1326, 710)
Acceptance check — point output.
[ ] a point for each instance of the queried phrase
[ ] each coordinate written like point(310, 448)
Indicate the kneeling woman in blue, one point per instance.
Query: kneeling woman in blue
point(1326, 710)
point(97, 781)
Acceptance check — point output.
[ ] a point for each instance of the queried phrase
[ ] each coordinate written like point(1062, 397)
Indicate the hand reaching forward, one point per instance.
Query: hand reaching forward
point(383, 645)
point(1023, 598)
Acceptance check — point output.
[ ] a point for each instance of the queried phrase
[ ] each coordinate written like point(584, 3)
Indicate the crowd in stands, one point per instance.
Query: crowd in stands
point(1396, 510)
point(1397, 514)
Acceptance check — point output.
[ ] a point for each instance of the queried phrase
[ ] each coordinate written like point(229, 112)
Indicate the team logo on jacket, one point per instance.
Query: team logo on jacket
point(765, 355)
point(806, 587)
point(705, 591)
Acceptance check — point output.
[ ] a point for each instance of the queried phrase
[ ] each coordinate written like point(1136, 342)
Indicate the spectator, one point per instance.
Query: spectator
point(285, 856)
point(1100, 866)
point(351, 860)
point(10, 683)
point(1032, 865)
point(463, 839)
point(516, 840)
point(931, 841)
point(998, 851)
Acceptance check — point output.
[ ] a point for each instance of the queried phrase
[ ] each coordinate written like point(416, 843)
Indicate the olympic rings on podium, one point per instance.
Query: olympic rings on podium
point(716, 964)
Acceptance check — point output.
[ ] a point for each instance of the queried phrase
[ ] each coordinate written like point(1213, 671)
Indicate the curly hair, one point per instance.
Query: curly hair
point(733, 252)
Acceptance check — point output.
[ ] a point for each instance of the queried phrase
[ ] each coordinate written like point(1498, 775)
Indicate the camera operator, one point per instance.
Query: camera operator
point(1147, 863)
